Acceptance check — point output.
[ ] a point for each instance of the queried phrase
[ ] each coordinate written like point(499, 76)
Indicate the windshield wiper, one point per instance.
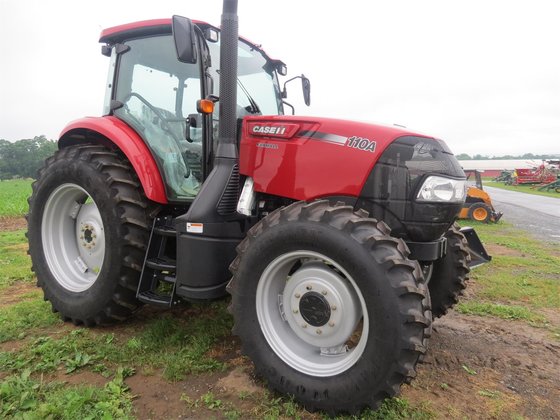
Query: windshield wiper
point(254, 107)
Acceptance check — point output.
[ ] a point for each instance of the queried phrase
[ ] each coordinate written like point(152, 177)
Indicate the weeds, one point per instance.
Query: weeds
point(22, 396)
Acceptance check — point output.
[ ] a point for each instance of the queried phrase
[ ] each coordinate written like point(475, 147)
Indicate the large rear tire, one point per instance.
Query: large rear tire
point(328, 306)
point(450, 274)
point(87, 230)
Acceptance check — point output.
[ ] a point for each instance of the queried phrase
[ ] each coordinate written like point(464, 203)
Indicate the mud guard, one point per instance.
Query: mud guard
point(476, 250)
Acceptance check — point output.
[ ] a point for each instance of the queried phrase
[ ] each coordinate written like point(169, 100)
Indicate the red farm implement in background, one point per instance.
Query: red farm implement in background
point(540, 175)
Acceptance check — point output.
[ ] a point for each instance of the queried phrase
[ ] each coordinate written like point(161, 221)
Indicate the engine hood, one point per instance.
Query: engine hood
point(306, 158)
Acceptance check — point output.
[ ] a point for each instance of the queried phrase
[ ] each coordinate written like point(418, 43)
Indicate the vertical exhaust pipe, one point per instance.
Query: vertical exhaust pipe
point(211, 229)
point(227, 142)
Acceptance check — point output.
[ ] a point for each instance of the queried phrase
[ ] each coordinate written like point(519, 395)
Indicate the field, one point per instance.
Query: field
point(495, 356)
point(528, 189)
point(13, 197)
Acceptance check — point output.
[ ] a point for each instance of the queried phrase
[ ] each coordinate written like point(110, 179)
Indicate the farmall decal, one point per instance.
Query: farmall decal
point(361, 143)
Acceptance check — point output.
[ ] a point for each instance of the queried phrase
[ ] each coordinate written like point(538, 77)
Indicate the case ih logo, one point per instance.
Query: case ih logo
point(283, 130)
point(278, 130)
point(361, 143)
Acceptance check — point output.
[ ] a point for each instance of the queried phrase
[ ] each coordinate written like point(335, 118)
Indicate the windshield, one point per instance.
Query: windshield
point(257, 81)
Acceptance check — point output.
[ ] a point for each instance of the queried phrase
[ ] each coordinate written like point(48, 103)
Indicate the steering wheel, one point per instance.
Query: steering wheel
point(165, 122)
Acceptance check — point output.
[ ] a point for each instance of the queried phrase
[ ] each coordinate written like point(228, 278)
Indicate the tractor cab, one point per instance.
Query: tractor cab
point(153, 92)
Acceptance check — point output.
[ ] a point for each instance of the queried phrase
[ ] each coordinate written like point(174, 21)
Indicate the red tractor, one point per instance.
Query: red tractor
point(337, 234)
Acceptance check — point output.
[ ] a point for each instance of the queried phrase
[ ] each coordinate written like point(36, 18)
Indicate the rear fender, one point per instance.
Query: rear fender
point(109, 130)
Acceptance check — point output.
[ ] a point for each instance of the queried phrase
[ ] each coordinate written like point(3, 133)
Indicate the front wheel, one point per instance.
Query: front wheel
point(328, 306)
point(87, 231)
point(449, 274)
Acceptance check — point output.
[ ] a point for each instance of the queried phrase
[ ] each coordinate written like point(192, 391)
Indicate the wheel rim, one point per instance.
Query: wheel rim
point(73, 237)
point(312, 313)
point(480, 214)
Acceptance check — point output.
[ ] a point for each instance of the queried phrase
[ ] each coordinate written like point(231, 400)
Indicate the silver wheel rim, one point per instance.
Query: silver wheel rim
point(287, 304)
point(73, 237)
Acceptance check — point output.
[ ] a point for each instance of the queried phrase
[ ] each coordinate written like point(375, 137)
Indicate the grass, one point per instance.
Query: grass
point(522, 188)
point(499, 311)
point(521, 281)
point(521, 284)
point(22, 396)
point(173, 345)
point(17, 320)
point(13, 197)
point(14, 262)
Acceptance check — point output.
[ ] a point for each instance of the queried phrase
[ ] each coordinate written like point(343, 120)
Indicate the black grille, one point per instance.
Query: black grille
point(390, 190)
point(228, 201)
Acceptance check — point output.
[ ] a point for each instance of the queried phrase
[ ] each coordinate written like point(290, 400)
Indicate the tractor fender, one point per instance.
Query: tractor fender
point(110, 130)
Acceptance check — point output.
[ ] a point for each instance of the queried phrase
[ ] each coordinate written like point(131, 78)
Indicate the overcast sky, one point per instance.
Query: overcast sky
point(482, 75)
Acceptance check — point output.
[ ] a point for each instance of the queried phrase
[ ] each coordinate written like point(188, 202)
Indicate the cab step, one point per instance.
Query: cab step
point(158, 279)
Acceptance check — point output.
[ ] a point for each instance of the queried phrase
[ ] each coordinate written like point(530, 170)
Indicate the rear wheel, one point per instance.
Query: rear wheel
point(480, 212)
point(328, 306)
point(449, 274)
point(87, 231)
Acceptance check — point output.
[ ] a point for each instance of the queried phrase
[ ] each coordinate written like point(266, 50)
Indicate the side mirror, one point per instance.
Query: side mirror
point(185, 40)
point(306, 86)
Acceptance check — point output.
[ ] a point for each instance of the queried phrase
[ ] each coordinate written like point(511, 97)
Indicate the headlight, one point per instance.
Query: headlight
point(442, 190)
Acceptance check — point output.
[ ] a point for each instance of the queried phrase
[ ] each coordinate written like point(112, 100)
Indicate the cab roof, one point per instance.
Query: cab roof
point(145, 28)
point(140, 29)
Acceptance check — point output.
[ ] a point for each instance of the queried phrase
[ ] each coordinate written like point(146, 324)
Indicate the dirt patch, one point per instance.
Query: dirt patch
point(238, 380)
point(489, 368)
point(15, 293)
point(81, 377)
point(500, 250)
point(11, 346)
point(12, 223)
point(156, 398)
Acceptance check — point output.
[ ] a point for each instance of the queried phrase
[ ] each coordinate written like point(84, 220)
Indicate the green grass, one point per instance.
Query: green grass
point(176, 346)
point(13, 197)
point(519, 282)
point(14, 262)
point(16, 320)
point(22, 396)
point(499, 311)
point(522, 188)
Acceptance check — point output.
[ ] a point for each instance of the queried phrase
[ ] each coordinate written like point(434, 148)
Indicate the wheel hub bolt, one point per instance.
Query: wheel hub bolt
point(324, 292)
point(297, 295)
point(333, 307)
point(295, 311)
point(331, 324)
point(303, 325)
point(319, 332)
point(309, 287)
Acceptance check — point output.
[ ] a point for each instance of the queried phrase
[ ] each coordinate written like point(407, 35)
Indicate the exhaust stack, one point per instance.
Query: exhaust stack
point(228, 82)
point(211, 229)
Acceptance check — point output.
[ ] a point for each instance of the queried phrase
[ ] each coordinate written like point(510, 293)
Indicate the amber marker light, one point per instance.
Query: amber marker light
point(205, 106)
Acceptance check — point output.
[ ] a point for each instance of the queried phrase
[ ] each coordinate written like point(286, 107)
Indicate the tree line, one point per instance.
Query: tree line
point(22, 158)
point(528, 156)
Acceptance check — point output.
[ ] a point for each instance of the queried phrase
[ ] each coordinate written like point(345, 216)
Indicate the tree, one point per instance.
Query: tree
point(463, 156)
point(24, 157)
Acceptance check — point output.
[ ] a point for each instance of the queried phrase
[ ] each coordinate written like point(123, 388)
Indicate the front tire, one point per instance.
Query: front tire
point(328, 306)
point(87, 231)
point(450, 273)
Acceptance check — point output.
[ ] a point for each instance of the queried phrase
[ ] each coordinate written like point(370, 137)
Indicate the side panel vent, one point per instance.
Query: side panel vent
point(230, 196)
